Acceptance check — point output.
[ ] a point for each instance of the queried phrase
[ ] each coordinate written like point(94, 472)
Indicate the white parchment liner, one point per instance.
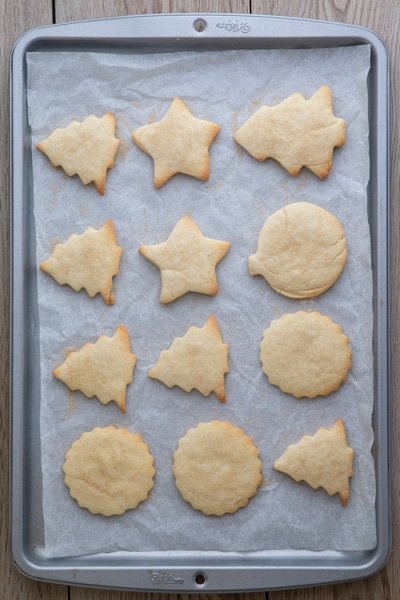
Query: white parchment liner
point(224, 87)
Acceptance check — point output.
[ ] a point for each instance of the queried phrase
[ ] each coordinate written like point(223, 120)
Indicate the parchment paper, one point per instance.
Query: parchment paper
point(224, 87)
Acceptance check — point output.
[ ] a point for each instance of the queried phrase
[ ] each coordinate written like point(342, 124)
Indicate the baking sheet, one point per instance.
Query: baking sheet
point(233, 205)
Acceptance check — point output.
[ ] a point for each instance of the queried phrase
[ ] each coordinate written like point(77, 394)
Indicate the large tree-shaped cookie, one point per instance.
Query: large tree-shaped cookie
point(297, 133)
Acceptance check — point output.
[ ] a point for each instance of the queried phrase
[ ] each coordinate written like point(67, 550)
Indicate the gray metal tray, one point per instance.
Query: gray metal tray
point(162, 571)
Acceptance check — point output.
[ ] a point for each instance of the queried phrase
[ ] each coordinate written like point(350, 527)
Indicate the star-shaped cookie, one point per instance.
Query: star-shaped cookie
point(178, 143)
point(88, 261)
point(322, 460)
point(296, 133)
point(198, 360)
point(86, 149)
point(187, 261)
point(103, 369)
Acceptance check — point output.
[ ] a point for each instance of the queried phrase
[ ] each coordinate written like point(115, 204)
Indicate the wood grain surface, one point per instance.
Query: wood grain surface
point(17, 16)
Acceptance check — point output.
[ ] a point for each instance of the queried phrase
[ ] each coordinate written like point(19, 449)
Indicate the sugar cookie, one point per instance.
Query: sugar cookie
point(322, 460)
point(305, 354)
point(86, 149)
point(103, 369)
point(296, 133)
point(198, 360)
point(216, 468)
point(88, 261)
point(187, 261)
point(109, 470)
point(179, 143)
point(301, 250)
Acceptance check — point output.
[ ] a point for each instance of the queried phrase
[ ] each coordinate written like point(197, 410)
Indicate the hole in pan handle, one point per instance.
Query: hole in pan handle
point(200, 25)
point(200, 578)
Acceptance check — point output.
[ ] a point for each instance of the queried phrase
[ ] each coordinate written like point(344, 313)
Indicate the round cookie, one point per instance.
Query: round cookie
point(301, 250)
point(216, 468)
point(109, 470)
point(305, 354)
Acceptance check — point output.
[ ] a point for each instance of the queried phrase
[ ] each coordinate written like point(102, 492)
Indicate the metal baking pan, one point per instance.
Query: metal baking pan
point(163, 571)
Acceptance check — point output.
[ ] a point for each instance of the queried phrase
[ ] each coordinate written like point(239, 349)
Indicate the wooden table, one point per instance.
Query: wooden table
point(17, 16)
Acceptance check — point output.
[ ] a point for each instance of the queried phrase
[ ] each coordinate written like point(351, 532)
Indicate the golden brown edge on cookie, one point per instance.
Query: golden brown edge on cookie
point(112, 238)
point(101, 180)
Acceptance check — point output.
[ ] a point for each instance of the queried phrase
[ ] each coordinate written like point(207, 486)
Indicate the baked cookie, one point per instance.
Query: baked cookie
point(301, 250)
point(187, 261)
point(86, 149)
point(296, 133)
point(109, 470)
point(322, 460)
point(103, 369)
point(305, 354)
point(87, 261)
point(216, 468)
point(198, 360)
point(179, 143)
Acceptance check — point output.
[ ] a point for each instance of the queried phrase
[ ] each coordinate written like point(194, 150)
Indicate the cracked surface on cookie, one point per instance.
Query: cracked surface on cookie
point(301, 250)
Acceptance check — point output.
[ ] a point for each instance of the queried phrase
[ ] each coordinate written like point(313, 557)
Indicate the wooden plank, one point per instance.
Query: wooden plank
point(72, 10)
point(16, 17)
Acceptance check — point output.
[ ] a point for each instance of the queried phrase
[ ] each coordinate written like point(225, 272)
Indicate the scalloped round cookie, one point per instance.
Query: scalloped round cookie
point(305, 354)
point(109, 470)
point(216, 468)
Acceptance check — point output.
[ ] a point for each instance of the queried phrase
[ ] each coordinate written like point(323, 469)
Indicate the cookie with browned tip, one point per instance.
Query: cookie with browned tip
point(103, 369)
point(197, 360)
point(322, 460)
point(88, 261)
point(86, 149)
